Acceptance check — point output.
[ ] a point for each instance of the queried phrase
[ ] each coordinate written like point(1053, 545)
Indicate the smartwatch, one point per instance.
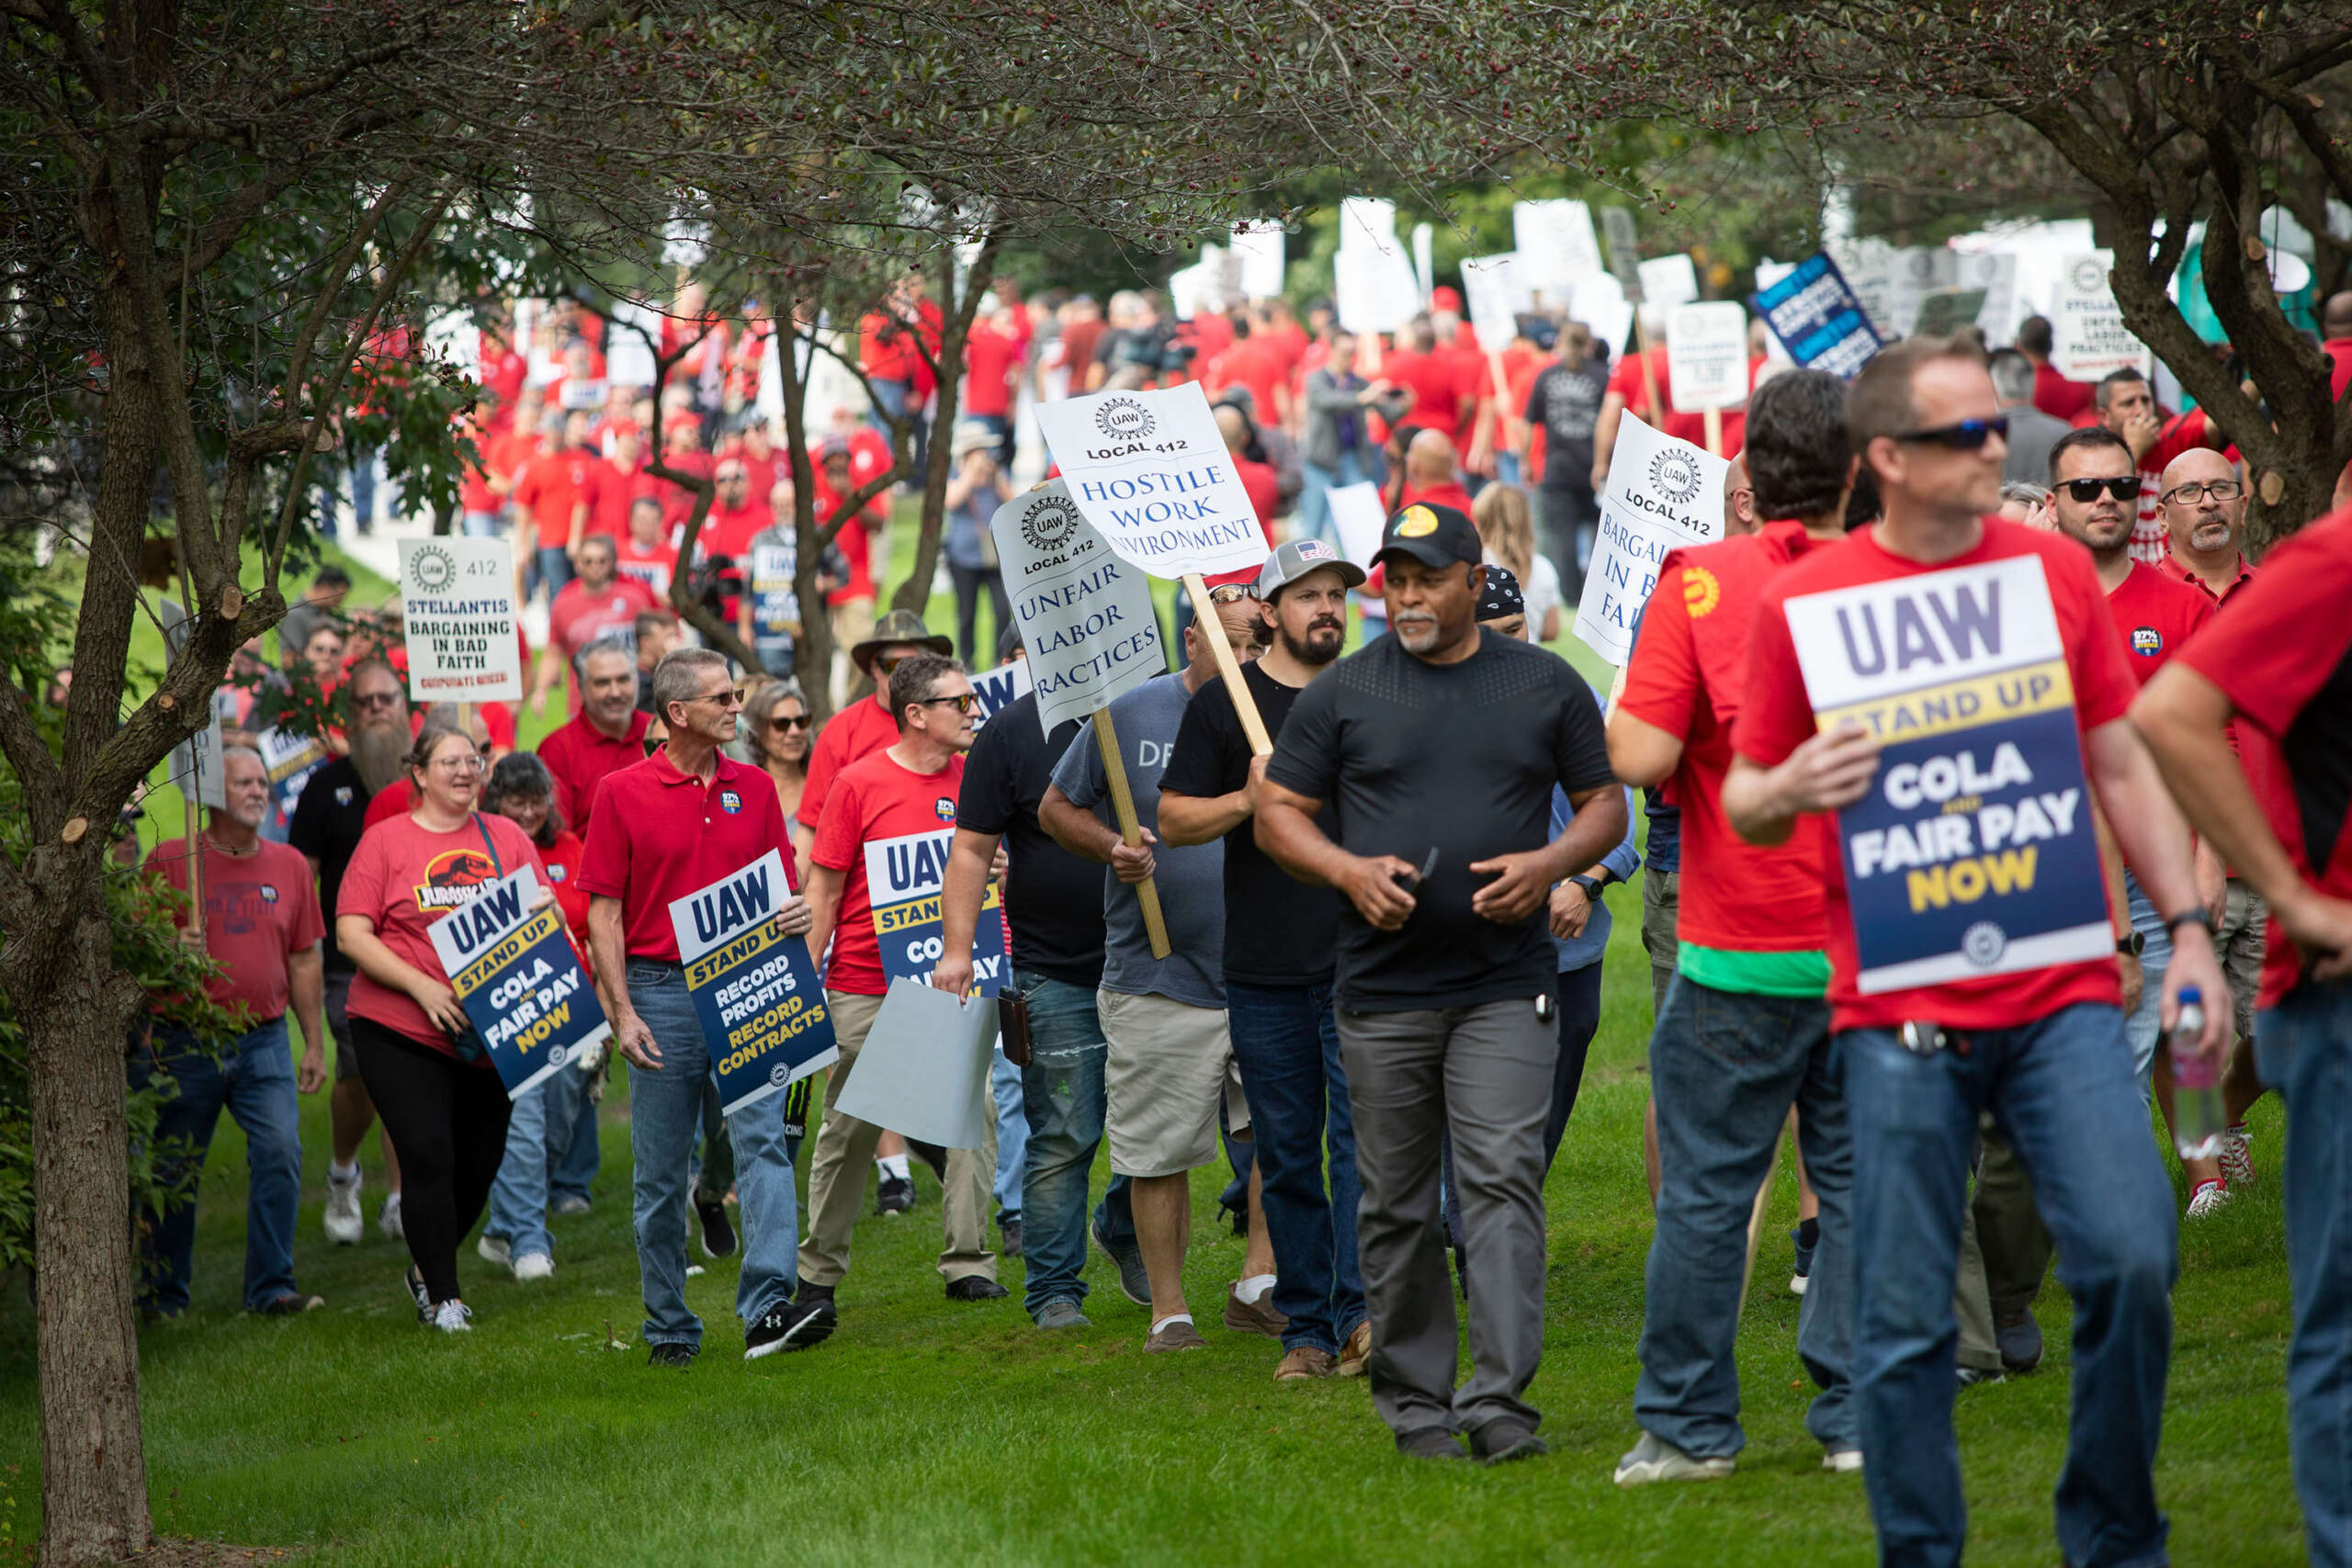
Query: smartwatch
point(1592, 885)
point(2131, 942)
point(2195, 917)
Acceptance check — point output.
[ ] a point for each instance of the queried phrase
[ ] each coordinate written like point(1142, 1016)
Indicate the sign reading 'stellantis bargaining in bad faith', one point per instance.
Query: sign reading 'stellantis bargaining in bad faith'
point(764, 1016)
point(1973, 853)
point(457, 607)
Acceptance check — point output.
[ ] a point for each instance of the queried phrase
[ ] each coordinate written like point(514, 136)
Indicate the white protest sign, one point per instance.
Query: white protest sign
point(1487, 291)
point(998, 689)
point(1668, 281)
point(923, 1070)
point(1868, 269)
point(1556, 246)
point(1358, 515)
point(1600, 304)
point(1375, 291)
point(629, 349)
point(1259, 247)
point(1706, 355)
point(1662, 495)
point(1917, 273)
point(2089, 336)
point(1150, 471)
point(1769, 273)
point(457, 603)
point(1995, 272)
point(1086, 616)
point(1424, 258)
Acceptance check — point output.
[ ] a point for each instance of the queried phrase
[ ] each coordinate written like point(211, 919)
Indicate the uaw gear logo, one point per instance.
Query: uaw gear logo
point(453, 877)
point(780, 1074)
point(2088, 276)
point(944, 809)
point(1416, 523)
point(1674, 476)
point(1047, 521)
point(1124, 419)
point(434, 569)
point(557, 1055)
point(2147, 642)
point(1984, 943)
point(1700, 591)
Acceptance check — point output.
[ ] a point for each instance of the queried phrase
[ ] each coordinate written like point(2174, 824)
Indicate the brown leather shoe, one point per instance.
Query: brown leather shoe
point(1356, 1351)
point(1175, 1335)
point(1304, 1363)
point(1253, 1317)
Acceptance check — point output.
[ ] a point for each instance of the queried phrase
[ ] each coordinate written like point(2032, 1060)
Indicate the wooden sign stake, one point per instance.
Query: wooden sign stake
point(1123, 806)
point(1229, 666)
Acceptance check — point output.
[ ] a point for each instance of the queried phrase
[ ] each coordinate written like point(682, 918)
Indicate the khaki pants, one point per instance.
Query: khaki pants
point(844, 1152)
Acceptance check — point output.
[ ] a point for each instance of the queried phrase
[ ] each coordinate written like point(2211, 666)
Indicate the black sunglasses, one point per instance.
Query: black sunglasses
point(965, 701)
point(786, 721)
point(1968, 435)
point(2087, 491)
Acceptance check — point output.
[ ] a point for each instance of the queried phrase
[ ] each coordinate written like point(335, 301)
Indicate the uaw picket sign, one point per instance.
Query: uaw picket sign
point(457, 607)
point(1151, 473)
point(998, 689)
point(1662, 495)
point(516, 974)
point(1086, 616)
point(764, 1016)
point(1973, 853)
point(1818, 318)
point(905, 878)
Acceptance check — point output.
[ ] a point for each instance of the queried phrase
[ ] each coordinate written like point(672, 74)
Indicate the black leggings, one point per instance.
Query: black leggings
point(448, 1126)
point(967, 605)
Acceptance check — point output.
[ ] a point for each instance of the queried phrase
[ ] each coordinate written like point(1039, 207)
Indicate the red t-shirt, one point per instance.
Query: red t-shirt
point(875, 798)
point(474, 493)
point(579, 617)
point(653, 565)
point(1775, 716)
point(1436, 384)
point(2155, 618)
point(1265, 490)
point(617, 490)
point(562, 859)
point(2059, 398)
point(666, 834)
point(510, 454)
point(2281, 652)
point(854, 542)
point(989, 357)
point(403, 877)
point(550, 485)
point(579, 756)
point(858, 731)
point(1472, 380)
point(392, 800)
point(1737, 895)
point(727, 530)
point(258, 909)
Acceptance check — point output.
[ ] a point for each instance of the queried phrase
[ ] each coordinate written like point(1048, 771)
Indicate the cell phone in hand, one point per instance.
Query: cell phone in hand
point(1408, 880)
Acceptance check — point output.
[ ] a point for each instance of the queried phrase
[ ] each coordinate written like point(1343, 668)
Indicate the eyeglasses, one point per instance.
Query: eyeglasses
point(471, 762)
point(1232, 593)
point(2087, 491)
point(2190, 494)
point(788, 721)
point(1968, 435)
point(965, 701)
point(727, 698)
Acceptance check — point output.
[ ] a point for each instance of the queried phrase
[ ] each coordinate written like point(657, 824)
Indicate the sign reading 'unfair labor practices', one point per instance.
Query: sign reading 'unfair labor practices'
point(1973, 853)
point(1150, 471)
point(517, 976)
point(1086, 616)
point(1662, 495)
point(905, 878)
point(764, 1016)
point(457, 603)
point(2088, 337)
point(1818, 319)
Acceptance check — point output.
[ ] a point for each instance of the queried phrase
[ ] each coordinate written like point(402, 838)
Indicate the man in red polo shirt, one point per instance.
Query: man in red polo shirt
point(1925, 1051)
point(865, 725)
point(606, 734)
point(596, 604)
point(673, 824)
point(905, 791)
point(2204, 503)
point(2277, 667)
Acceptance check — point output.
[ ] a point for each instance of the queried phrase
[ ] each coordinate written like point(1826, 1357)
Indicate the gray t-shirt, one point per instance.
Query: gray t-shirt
point(1191, 880)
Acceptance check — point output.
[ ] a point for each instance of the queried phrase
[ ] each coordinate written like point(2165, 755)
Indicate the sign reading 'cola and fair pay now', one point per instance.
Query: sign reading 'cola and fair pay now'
point(1150, 471)
point(1973, 853)
point(513, 971)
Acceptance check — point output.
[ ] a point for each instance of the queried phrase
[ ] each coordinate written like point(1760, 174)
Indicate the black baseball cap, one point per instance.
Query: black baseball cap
point(1500, 599)
point(1434, 535)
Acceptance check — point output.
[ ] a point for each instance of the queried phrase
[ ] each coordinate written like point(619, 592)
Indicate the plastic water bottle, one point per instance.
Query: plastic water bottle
point(2198, 1119)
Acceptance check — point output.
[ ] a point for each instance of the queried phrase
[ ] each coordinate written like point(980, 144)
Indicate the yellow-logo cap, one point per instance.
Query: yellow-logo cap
point(1416, 522)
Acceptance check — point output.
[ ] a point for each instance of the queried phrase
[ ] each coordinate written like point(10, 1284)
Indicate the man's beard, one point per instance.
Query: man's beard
point(377, 753)
point(1307, 650)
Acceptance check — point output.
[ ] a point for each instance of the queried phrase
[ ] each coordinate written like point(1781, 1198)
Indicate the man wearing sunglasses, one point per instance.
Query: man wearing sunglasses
point(866, 726)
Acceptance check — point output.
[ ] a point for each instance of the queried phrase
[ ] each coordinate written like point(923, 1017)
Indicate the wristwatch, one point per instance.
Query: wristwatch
point(2197, 917)
point(1592, 885)
point(2131, 942)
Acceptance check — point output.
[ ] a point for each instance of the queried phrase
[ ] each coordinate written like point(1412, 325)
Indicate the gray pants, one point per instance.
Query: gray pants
point(1483, 1073)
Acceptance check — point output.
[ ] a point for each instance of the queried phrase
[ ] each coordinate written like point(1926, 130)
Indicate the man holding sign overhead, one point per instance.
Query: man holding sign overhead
point(1950, 684)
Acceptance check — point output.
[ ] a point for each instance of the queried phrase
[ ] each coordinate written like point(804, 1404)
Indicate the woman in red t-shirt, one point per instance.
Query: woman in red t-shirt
point(446, 1114)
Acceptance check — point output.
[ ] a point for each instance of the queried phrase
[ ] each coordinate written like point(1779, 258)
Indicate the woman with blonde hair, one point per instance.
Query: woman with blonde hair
point(778, 736)
point(1507, 527)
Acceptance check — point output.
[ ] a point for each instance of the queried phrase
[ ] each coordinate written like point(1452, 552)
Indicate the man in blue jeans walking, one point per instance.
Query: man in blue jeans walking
point(2276, 670)
point(1281, 946)
point(1955, 1016)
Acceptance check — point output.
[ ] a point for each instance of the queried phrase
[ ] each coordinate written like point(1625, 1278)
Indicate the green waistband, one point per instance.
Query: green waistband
point(1804, 972)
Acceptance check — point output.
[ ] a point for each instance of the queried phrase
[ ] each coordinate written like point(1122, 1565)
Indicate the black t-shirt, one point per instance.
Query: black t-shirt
point(1278, 930)
point(329, 816)
point(1568, 403)
point(1053, 900)
point(1461, 758)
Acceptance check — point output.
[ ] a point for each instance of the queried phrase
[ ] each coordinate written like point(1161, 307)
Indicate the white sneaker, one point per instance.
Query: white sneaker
point(1653, 1459)
point(534, 1266)
point(453, 1317)
point(344, 1222)
point(389, 1222)
point(493, 1249)
point(1844, 1462)
point(2208, 1199)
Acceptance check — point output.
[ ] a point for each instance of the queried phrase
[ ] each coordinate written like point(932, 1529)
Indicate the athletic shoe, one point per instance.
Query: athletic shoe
point(1653, 1459)
point(388, 1219)
point(1505, 1438)
point(293, 1304)
point(1430, 1443)
point(2210, 1198)
point(1305, 1364)
point(344, 1222)
point(1844, 1461)
point(416, 1292)
point(534, 1266)
point(1134, 1283)
point(2020, 1337)
point(1357, 1351)
point(1175, 1335)
point(1009, 1227)
point(2237, 1158)
point(1803, 1275)
point(932, 1156)
point(790, 1326)
point(495, 1249)
point(568, 1205)
point(976, 1287)
point(717, 1232)
point(673, 1355)
point(1970, 1376)
point(1253, 1317)
point(453, 1317)
point(895, 1195)
point(1062, 1313)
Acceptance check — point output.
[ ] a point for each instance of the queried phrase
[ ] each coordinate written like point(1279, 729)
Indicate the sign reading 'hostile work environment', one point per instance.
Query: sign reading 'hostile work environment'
point(905, 876)
point(1973, 853)
point(518, 978)
point(1150, 471)
point(1662, 495)
point(457, 605)
point(764, 1016)
point(1086, 616)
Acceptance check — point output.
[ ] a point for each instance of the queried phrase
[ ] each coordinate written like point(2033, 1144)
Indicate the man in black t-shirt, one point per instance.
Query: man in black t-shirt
point(1052, 909)
point(1280, 936)
point(1437, 749)
point(1564, 398)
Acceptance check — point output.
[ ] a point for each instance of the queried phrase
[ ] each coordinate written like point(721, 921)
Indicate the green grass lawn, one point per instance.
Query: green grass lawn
point(927, 1431)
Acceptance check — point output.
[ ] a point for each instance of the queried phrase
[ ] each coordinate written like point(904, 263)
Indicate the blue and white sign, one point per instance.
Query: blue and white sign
point(905, 878)
point(1818, 319)
point(1150, 469)
point(1086, 616)
point(764, 1016)
point(998, 689)
point(1662, 495)
point(517, 976)
point(1974, 853)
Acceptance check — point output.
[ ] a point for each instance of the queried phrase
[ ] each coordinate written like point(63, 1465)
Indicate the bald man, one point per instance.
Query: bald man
point(1739, 500)
point(2204, 510)
point(1430, 473)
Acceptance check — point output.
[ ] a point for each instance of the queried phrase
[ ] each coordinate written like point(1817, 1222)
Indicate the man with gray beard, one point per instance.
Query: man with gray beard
point(327, 822)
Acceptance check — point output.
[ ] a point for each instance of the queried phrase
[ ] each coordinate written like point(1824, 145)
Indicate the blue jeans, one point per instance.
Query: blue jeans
point(2144, 1027)
point(1011, 1135)
point(2303, 1047)
point(1061, 1097)
point(254, 1081)
point(584, 1156)
point(1286, 1042)
point(2060, 1090)
point(1725, 1069)
point(665, 1108)
point(539, 1133)
point(480, 524)
point(1314, 496)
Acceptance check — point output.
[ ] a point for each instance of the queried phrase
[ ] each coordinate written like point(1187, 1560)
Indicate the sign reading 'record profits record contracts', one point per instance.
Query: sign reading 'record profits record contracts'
point(1086, 616)
point(764, 1016)
point(457, 603)
point(1662, 495)
point(516, 974)
point(1150, 471)
point(1818, 318)
point(1973, 853)
point(905, 878)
